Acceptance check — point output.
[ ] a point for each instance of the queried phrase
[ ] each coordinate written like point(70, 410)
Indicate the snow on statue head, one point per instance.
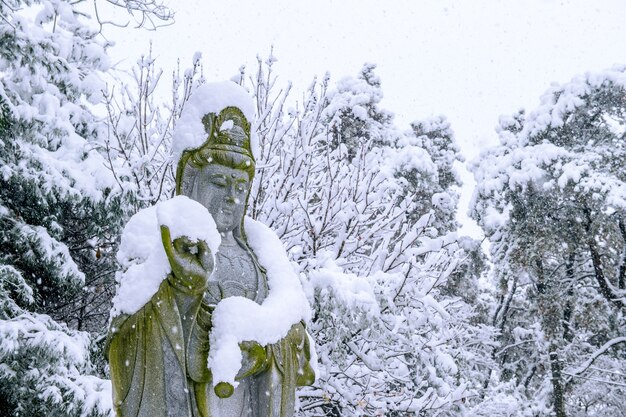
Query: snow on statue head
point(190, 132)
point(214, 130)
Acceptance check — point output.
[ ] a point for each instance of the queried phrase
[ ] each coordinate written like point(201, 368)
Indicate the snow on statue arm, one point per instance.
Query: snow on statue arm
point(279, 317)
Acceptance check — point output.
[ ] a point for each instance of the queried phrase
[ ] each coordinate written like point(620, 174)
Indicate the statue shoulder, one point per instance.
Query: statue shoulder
point(261, 239)
point(255, 229)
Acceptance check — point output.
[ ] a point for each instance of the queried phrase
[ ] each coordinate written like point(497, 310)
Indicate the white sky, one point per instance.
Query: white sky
point(469, 60)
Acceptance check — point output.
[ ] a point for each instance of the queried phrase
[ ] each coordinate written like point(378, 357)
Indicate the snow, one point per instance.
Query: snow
point(197, 57)
point(196, 222)
point(535, 155)
point(406, 158)
point(569, 97)
point(353, 291)
point(55, 252)
point(141, 254)
point(238, 319)
point(38, 329)
point(562, 165)
point(228, 124)
point(602, 350)
point(64, 145)
point(208, 98)
point(19, 287)
point(494, 219)
point(354, 94)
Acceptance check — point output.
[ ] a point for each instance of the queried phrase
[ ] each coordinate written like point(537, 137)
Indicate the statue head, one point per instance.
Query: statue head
point(219, 173)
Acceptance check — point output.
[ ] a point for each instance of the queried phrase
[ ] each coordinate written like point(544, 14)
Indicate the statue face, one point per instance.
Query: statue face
point(222, 190)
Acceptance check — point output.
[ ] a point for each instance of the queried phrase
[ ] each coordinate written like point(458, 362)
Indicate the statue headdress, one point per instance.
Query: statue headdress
point(227, 142)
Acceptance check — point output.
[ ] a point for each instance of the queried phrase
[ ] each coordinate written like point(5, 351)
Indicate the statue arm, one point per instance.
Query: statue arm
point(136, 342)
point(191, 264)
point(254, 356)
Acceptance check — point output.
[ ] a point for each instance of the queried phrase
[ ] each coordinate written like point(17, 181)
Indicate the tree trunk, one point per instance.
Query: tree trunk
point(550, 323)
point(621, 277)
point(557, 385)
point(568, 334)
point(605, 290)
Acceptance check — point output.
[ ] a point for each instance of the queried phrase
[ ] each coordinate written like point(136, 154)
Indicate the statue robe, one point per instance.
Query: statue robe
point(153, 357)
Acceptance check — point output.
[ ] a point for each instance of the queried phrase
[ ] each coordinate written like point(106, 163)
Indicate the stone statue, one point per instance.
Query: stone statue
point(158, 355)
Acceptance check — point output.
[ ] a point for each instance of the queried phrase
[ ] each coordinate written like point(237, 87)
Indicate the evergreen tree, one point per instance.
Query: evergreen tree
point(551, 198)
point(59, 212)
point(436, 137)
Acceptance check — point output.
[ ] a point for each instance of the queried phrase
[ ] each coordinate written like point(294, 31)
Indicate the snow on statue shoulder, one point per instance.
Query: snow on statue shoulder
point(217, 329)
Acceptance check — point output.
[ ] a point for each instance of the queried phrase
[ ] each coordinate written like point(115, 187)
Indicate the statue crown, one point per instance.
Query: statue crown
point(227, 132)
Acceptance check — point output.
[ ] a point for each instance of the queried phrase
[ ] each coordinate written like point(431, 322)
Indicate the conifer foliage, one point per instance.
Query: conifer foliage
point(59, 212)
point(552, 200)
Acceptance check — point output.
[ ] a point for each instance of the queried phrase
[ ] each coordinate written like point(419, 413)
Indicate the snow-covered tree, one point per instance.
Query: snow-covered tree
point(552, 199)
point(366, 212)
point(59, 212)
point(436, 137)
point(139, 129)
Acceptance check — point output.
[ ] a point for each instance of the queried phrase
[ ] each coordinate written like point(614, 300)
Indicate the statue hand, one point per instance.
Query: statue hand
point(254, 359)
point(191, 262)
point(299, 341)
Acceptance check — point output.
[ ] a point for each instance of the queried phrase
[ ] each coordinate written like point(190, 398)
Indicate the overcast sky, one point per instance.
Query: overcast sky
point(468, 60)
